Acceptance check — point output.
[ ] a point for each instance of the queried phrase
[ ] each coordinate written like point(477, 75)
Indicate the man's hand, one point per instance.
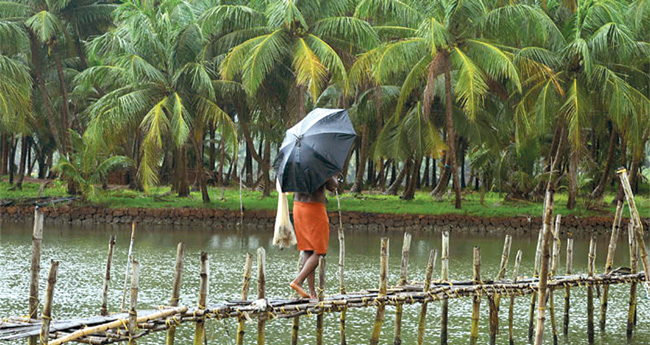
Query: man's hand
point(332, 184)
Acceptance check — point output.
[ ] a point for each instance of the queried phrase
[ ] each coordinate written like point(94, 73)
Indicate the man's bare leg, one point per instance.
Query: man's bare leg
point(311, 262)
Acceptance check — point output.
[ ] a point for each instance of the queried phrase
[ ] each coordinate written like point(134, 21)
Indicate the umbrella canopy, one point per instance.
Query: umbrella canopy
point(314, 150)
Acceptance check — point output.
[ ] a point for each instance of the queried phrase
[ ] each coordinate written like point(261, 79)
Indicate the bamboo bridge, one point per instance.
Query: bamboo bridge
point(132, 323)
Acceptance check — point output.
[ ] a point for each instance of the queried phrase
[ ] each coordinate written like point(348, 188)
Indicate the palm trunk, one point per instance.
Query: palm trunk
point(266, 170)
point(443, 181)
point(451, 135)
point(200, 172)
point(620, 194)
point(222, 161)
point(40, 81)
point(357, 187)
point(65, 118)
point(181, 172)
point(4, 154)
point(24, 147)
point(213, 152)
point(261, 162)
point(392, 190)
point(409, 191)
point(12, 159)
point(463, 184)
point(573, 179)
point(597, 193)
point(425, 178)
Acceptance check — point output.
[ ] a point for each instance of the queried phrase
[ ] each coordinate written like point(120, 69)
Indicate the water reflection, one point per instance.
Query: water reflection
point(82, 252)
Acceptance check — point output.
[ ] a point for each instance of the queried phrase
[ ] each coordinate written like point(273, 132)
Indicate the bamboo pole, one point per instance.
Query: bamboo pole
point(383, 282)
point(341, 269)
point(199, 330)
point(129, 259)
point(176, 289)
point(555, 261)
point(406, 247)
point(476, 299)
point(544, 268)
point(115, 324)
point(261, 294)
point(241, 326)
point(444, 276)
point(590, 291)
point(321, 290)
point(37, 241)
point(515, 274)
point(611, 249)
point(107, 278)
point(533, 298)
point(494, 300)
point(634, 262)
point(567, 289)
point(638, 225)
point(47, 307)
point(295, 324)
point(133, 305)
point(427, 284)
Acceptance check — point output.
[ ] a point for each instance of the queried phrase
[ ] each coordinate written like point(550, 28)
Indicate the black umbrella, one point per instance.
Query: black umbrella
point(314, 150)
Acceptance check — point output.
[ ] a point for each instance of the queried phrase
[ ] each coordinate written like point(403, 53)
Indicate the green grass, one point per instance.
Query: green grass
point(228, 198)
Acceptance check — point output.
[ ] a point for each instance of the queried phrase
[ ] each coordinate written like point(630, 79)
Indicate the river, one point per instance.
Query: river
point(82, 253)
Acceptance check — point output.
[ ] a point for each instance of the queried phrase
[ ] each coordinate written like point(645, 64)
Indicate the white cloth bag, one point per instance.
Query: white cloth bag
point(283, 235)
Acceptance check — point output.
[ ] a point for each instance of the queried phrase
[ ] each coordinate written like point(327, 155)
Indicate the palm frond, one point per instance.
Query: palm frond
point(226, 18)
point(310, 72)
point(415, 78)
point(285, 13)
point(154, 125)
point(494, 62)
point(180, 121)
point(575, 110)
point(45, 24)
point(262, 59)
point(471, 86)
point(330, 59)
point(358, 33)
point(397, 57)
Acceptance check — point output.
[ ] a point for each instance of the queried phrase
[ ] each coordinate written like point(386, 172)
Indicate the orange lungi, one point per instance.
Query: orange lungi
point(312, 226)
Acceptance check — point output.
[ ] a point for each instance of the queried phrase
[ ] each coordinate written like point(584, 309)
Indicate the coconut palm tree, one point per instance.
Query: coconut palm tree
point(591, 70)
point(308, 38)
point(430, 41)
point(158, 84)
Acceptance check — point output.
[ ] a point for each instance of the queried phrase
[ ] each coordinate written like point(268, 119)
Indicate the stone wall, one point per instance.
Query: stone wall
point(355, 221)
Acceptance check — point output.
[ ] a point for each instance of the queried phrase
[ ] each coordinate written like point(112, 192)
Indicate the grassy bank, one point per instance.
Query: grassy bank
point(228, 198)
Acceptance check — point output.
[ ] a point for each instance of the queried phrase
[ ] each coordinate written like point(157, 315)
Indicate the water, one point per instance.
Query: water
point(82, 253)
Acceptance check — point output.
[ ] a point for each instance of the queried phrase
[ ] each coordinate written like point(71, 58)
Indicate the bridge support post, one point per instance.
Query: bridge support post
point(567, 289)
point(427, 284)
point(476, 304)
point(406, 247)
point(47, 307)
point(511, 308)
point(383, 282)
point(590, 291)
point(444, 276)
point(176, 289)
point(609, 262)
point(241, 325)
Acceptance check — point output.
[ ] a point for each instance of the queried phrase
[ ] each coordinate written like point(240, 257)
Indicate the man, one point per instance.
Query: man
point(312, 233)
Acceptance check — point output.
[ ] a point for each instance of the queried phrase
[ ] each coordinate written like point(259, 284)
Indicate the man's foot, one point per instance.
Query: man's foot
point(299, 289)
point(313, 296)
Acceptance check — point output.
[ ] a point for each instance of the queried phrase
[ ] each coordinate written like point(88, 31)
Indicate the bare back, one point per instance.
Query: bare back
point(319, 195)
